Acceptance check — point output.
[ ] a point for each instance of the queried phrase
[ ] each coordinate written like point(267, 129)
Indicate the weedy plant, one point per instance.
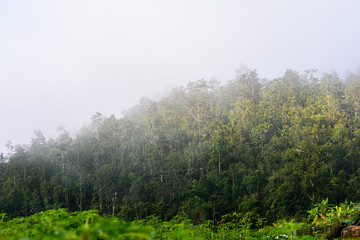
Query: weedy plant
point(324, 213)
point(89, 225)
point(59, 224)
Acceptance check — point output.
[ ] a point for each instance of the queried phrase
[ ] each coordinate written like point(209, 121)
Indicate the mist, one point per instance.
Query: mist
point(63, 61)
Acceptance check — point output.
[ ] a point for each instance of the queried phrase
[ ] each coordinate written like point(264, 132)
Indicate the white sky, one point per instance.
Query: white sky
point(62, 61)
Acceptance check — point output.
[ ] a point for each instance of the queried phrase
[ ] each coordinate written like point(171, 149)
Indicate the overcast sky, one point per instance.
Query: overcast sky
point(63, 61)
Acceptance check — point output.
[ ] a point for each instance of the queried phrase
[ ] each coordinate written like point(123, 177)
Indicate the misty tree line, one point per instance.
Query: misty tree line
point(272, 148)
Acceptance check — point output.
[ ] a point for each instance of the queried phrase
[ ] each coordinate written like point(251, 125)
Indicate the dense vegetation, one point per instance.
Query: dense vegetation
point(327, 221)
point(269, 149)
point(60, 224)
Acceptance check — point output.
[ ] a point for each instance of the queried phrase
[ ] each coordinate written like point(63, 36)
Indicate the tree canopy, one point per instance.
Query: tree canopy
point(273, 148)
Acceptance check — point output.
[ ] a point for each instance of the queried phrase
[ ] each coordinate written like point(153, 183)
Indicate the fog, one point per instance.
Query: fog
point(63, 61)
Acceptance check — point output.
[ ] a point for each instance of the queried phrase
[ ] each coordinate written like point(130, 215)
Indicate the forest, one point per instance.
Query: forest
point(268, 149)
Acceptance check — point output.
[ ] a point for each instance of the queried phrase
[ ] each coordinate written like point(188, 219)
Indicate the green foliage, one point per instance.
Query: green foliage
point(195, 209)
point(265, 151)
point(59, 224)
point(324, 213)
point(319, 212)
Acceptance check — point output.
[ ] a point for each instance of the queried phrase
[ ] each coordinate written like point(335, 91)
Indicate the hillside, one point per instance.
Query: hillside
point(272, 148)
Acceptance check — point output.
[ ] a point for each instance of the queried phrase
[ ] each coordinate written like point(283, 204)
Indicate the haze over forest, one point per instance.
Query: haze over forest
point(63, 61)
point(272, 150)
point(179, 119)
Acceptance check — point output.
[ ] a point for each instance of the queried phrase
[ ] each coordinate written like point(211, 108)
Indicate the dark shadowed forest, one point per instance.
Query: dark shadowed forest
point(270, 148)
